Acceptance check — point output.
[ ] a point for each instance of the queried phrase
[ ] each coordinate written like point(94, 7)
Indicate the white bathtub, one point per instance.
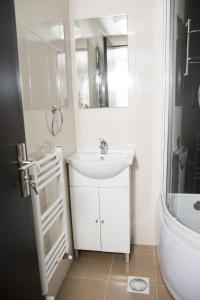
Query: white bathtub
point(179, 248)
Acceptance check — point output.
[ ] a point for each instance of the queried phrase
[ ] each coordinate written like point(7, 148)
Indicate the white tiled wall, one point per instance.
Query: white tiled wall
point(43, 40)
point(141, 123)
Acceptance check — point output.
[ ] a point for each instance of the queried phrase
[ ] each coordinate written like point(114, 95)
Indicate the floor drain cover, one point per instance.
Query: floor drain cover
point(138, 285)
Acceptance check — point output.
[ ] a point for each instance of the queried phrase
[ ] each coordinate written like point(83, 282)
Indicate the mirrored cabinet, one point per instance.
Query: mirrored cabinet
point(102, 61)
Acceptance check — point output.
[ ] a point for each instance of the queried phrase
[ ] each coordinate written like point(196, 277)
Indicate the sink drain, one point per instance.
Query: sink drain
point(138, 285)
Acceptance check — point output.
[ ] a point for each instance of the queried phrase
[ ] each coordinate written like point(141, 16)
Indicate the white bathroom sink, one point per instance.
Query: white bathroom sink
point(100, 166)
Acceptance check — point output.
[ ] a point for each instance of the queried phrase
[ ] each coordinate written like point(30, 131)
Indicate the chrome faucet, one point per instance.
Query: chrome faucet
point(103, 146)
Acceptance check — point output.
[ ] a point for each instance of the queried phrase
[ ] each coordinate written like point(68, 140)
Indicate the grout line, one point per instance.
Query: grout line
point(109, 277)
point(158, 271)
point(157, 284)
point(154, 250)
point(111, 266)
point(87, 278)
point(155, 273)
point(156, 290)
point(143, 254)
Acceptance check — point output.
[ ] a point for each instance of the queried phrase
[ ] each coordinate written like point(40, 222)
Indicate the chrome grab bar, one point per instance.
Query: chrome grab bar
point(188, 24)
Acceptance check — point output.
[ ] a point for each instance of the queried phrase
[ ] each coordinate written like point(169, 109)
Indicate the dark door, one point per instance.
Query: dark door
point(19, 269)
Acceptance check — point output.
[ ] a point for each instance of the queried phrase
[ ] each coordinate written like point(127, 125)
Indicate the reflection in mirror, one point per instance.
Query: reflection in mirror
point(102, 61)
point(43, 66)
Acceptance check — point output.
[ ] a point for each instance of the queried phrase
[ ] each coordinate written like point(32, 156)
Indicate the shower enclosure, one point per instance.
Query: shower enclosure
point(184, 125)
point(179, 246)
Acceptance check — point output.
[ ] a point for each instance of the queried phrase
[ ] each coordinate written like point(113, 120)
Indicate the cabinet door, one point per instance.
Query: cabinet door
point(85, 218)
point(115, 219)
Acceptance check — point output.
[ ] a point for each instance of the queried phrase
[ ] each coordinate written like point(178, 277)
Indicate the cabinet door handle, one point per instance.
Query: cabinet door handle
point(96, 221)
point(102, 222)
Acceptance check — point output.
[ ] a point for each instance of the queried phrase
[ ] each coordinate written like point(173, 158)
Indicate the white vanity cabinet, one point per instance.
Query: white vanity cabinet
point(101, 212)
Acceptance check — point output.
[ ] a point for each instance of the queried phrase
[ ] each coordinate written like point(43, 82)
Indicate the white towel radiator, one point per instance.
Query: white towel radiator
point(42, 173)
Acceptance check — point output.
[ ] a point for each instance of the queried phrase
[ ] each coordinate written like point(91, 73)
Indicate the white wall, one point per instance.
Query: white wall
point(141, 123)
point(38, 47)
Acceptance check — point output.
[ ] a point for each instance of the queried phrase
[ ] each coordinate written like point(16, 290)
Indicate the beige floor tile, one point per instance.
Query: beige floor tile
point(95, 274)
point(82, 289)
point(140, 265)
point(118, 291)
point(143, 259)
point(137, 258)
point(91, 265)
point(142, 249)
point(163, 293)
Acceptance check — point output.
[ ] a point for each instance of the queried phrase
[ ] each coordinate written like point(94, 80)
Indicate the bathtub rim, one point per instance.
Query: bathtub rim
point(161, 267)
point(179, 232)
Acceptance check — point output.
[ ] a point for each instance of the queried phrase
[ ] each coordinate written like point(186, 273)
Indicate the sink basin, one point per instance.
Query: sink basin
point(100, 166)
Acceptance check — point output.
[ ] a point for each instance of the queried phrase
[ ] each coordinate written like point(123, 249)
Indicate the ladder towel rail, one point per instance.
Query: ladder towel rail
point(42, 173)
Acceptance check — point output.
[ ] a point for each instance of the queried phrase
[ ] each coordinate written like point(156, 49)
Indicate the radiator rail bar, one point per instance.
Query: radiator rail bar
point(42, 173)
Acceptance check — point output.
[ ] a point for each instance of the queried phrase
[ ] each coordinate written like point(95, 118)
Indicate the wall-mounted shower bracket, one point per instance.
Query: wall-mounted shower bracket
point(188, 58)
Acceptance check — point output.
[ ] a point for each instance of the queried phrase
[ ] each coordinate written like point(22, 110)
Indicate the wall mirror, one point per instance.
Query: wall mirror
point(102, 61)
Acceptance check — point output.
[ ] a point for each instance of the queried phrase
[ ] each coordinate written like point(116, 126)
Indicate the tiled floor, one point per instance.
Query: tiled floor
point(103, 276)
